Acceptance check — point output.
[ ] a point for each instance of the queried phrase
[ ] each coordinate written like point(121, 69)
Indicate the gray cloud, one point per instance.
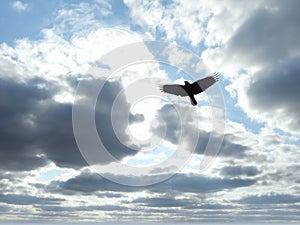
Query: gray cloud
point(50, 208)
point(136, 118)
point(35, 129)
point(287, 174)
point(228, 149)
point(54, 135)
point(171, 119)
point(211, 206)
point(87, 183)
point(272, 198)
point(16, 199)
point(176, 133)
point(269, 34)
point(270, 39)
point(186, 204)
point(105, 129)
point(201, 184)
point(162, 202)
point(277, 88)
point(18, 103)
point(5, 208)
point(249, 171)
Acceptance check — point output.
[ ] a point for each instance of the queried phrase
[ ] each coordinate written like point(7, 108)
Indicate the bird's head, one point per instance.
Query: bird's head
point(186, 82)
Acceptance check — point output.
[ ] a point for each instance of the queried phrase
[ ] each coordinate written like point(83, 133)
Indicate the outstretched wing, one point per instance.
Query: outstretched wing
point(201, 85)
point(174, 89)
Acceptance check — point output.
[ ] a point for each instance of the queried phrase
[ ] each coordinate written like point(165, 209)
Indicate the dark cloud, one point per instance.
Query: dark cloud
point(228, 149)
point(277, 88)
point(5, 208)
point(200, 184)
point(35, 129)
point(167, 202)
point(54, 135)
point(272, 198)
point(104, 111)
point(89, 208)
point(109, 195)
point(176, 132)
point(16, 199)
point(233, 171)
point(270, 39)
point(269, 34)
point(19, 104)
point(136, 118)
point(162, 202)
point(172, 123)
point(210, 206)
point(87, 183)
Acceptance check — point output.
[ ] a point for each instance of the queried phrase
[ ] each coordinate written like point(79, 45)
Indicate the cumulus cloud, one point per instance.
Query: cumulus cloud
point(264, 49)
point(19, 102)
point(260, 41)
point(43, 127)
point(273, 94)
point(38, 80)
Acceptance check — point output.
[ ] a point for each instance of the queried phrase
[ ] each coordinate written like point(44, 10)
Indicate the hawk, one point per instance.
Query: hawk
point(189, 89)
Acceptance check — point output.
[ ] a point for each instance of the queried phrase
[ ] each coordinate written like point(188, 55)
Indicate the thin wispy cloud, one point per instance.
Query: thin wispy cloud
point(20, 6)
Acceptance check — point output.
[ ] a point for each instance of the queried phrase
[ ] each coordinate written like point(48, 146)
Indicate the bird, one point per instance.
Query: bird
point(189, 89)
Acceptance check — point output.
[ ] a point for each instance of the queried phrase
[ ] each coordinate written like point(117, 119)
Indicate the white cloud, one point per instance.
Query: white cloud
point(20, 6)
point(56, 59)
point(179, 20)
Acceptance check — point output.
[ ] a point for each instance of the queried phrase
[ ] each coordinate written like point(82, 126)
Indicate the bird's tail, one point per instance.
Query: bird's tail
point(193, 100)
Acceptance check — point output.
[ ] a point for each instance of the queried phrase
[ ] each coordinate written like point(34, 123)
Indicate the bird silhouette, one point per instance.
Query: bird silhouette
point(191, 89)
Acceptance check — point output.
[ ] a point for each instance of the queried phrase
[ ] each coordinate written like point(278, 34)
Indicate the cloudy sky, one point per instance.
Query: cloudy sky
point(48, 49)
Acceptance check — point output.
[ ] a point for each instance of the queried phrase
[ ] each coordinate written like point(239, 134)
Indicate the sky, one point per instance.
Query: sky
point(76, 72)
